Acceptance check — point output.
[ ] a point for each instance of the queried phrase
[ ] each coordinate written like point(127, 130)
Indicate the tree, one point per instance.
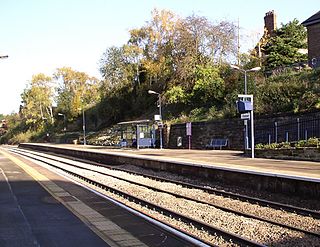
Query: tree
point(13, 122)
point(174, 56)
point(209, 86)
point(115, 68)
point(76, 90)
point(173, 47)
point(37, 101)
point(283, 48)
point(155, 42)
point(201, 42)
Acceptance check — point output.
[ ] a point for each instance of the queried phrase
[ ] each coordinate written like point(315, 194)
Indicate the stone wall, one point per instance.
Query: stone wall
point(308, 154)
point(203, 132)
point(233, 130)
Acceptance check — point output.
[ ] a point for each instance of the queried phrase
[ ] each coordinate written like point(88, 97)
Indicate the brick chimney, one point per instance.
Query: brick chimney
point(270, 22)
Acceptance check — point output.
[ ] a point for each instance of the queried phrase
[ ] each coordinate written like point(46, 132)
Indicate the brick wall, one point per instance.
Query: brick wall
point(314, 43)
point(270, 22)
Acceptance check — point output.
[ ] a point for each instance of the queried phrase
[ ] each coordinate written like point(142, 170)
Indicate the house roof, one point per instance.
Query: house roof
point(312, 20)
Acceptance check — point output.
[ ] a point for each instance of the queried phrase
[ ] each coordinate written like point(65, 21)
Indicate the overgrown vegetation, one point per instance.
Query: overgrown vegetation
point(289, 92)
point(186, 60)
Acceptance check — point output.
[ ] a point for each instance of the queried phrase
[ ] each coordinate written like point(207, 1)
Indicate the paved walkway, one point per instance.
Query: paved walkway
point(219, 158)
point(30, 216)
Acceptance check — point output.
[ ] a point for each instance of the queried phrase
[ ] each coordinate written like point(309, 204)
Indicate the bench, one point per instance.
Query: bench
point(214, 143)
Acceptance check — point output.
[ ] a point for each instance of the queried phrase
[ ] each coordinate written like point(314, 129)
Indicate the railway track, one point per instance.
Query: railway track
point(240, 240)
point(244, 198)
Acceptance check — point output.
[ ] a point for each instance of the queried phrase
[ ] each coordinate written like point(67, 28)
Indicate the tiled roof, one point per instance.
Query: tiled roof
point(312, 20)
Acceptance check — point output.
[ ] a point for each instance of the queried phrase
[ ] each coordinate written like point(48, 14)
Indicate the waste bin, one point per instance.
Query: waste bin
point(179, 141)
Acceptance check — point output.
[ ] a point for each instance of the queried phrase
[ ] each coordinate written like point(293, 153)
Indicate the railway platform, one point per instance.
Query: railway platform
point(30, 216)
point(40, 208)
point(293, 178)
point(224, 159)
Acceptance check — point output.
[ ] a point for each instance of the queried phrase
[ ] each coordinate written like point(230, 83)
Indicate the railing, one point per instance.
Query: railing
point(291, 131)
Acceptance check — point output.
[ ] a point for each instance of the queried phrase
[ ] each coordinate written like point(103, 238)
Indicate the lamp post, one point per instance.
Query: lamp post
point(64, 119)
point(160, 113)
point(251, 113)
point(83, 126)
point(65, 126)
point(245, 74)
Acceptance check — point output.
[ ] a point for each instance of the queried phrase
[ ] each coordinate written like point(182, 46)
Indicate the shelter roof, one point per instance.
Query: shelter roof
point(144, 121)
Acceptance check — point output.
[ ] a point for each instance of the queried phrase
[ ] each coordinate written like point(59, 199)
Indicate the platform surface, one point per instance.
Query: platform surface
point(30, 216)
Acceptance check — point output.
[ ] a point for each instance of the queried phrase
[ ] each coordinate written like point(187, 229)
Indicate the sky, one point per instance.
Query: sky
point(40, 36)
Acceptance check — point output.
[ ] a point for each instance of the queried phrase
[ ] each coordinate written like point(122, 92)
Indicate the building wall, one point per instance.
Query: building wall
point(314, 43)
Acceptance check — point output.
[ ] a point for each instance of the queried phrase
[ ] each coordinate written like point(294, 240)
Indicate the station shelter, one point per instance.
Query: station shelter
point(139, 134)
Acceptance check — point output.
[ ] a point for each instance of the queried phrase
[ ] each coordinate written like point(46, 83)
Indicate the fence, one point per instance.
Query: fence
point(291, 131)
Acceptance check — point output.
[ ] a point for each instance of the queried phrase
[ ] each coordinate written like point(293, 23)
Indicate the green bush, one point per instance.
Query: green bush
point(281, 145)
point(21, 137)
point(284, 145)
point(311, 142)
point(259, 146)
point(198, 114)
point(271, 146)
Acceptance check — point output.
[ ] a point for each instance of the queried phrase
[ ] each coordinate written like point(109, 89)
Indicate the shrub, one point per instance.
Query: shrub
point(311, 142)
point(21, 137)
point(271, 146)
point(282, 145)
point(198, 114)
point(260, 146)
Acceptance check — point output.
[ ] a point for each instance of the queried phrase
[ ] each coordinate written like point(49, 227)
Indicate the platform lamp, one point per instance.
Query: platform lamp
point(245, 74)
point(65, 124)
point(83, 125)
point(160, 113)
point(246, 92)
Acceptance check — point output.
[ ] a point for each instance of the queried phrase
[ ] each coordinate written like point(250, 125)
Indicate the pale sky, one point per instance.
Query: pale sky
point(42, 35)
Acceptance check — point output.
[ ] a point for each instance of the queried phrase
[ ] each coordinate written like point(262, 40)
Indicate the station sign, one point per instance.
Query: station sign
point(188, 128)
point(157, 118)
point(245, 116)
